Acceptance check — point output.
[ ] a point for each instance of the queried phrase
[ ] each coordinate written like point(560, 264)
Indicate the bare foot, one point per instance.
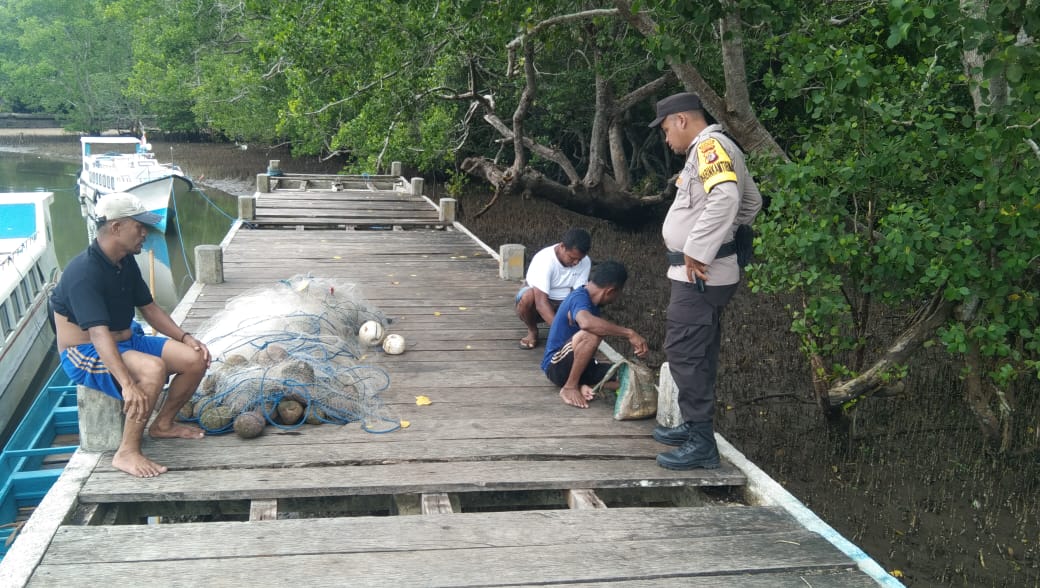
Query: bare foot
point(574, 397)
point(588, 392)
point(136, 464)
point(531, 340)
point(175, 431)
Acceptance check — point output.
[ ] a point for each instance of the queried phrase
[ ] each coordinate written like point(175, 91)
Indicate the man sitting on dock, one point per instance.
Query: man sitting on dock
point(554, 273)
point(577, 330)
point(102, 347)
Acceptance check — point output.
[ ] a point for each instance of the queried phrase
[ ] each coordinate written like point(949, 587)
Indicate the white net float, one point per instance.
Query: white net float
point(393, 344)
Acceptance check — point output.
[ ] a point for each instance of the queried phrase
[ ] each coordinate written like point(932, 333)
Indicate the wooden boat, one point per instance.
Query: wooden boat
point(127, 164)
point(36, 453)
point(28, 270)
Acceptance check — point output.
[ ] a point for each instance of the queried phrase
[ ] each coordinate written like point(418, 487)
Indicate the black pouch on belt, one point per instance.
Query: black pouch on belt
point(675, 257)
point(745, 242)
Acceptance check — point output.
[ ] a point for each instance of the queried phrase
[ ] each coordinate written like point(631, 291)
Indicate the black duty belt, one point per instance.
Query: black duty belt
point(679, 258)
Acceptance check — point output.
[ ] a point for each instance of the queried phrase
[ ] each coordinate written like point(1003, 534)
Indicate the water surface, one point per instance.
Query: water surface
point(202, 217)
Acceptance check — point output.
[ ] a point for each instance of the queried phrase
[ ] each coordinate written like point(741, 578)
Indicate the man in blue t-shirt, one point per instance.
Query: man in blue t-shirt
point(577, 330)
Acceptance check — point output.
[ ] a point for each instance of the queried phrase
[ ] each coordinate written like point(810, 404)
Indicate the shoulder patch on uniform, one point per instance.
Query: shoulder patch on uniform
point(714, 165)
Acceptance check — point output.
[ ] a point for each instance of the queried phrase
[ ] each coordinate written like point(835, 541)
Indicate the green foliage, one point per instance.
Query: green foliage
point(456, 184)
point(67, 59)
point(908, 177)
point(899, 188)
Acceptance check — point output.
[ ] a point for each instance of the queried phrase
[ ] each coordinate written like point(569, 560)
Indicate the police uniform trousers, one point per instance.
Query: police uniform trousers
point(693, 337)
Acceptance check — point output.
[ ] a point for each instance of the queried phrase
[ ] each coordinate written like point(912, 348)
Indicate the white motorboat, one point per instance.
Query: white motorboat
point(127, 164)
point(28, 271)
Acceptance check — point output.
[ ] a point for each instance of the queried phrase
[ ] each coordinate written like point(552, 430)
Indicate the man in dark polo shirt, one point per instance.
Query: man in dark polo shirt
point(103, 347)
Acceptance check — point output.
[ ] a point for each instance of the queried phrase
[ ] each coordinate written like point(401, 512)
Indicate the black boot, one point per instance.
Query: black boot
point(674, 436)
point(699, 451)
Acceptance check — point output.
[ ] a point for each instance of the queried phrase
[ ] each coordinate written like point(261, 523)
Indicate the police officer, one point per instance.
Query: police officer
point(715, 195)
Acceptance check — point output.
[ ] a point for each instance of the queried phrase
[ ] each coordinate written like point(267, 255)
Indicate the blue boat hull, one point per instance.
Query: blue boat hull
point(24, 478)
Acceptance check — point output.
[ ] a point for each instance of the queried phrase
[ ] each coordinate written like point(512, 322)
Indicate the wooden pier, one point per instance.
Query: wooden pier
point(495, 483)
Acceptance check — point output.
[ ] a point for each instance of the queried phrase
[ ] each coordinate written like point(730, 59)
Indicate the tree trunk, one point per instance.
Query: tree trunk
point(873, 380)
point(618, 160)
point(979, 396)
point(605, 200)
point(734, 111)
point(526, 98)
point(600, 122)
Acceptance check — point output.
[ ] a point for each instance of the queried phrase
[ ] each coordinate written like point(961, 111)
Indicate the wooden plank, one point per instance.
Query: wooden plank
point(437, 503)
point(135, 543)
point(720, 556)
point(457, 425)
point(398, 263)
point(584, 499)
point(250, 236)
point(390, 449)
point(340, 200)
point(549, 405)
point(341, 220)
point(842, 578)
point(361, 251)
point(366, 211)
point(404, 478)
point(263, 510)
point(333, 209)
point(464, 295)
point(345, 216)
point(337, 208)
point(393, 307)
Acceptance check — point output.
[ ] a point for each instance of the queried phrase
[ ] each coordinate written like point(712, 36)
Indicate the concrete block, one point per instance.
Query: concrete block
point(447, 209)
point(417, 186)
point(209, 264)
point(668, 413)
point(512, 265)
point(100, 420)
point(247, 206)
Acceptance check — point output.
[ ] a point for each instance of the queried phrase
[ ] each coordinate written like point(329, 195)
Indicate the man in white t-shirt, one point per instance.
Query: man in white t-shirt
point(553, 273)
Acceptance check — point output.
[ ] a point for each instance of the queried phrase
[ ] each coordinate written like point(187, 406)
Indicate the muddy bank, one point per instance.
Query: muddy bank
point(227, 167)
point(913, 485)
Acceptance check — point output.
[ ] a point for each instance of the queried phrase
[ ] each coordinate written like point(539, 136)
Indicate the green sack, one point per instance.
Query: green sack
point(636, 393)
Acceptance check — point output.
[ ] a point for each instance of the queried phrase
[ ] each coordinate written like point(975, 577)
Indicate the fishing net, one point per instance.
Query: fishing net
point(288, 355)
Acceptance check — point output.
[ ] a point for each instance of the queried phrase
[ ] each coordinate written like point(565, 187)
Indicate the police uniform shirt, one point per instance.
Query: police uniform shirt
point(715, 194)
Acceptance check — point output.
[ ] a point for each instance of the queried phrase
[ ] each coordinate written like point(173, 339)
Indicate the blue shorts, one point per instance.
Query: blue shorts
point(83, 365)
point(520, 294)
